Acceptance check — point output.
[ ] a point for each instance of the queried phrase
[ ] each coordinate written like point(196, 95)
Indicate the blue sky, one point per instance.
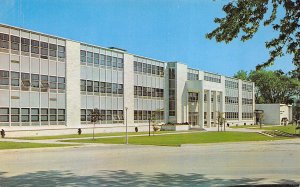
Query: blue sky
point(168, 30)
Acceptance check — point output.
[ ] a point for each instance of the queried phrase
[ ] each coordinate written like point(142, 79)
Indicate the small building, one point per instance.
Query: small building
point(274, 114)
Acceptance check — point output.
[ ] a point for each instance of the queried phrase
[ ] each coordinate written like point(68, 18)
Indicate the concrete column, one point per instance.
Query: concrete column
point(201, 108)
point(129, 88)
point(216, 108)
point(240, 101)
point(209, 108)
point(73, 98)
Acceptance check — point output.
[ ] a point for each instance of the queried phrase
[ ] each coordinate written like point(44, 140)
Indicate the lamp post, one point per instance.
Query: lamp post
point(126, 125)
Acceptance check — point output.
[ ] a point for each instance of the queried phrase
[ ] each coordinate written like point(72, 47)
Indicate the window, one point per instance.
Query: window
point(171, 73)
point(103, 115)
point(139, 67)
point(120, 114)
point(34, 114)
point(4, 115)
point(108, 87)
point(102, 87)
point(149, 68)
point(82, 56)
point(44, 83)
point(44, 114)
point(25, 79)
point(139, 91)
point(15, 43)
point(52, 50)
point(109, 115)
point(114, 62)
point(120, 89)
point(89, 58)
point(96, 59)
point(83, 115)
point(61, 115)
point(89, 86)
point(144, 68)
point(35, 46)
point(25, 114)
point(114, 88)
point(15, 115)
point(193, 97)
point(35, 80)
point(53, 82)
point(96, 86)
point(4, 38)
point(61, 52)
point(4, 77)
point(102, 60)
point(15, 78)
point(120, 63)
point(25, 44)
point(88, 114)
point(44, 48)
point(108, 60)
point(53, 116)
point(135, 66)
point(61, 83)
point(115, 115)
point(83, 85)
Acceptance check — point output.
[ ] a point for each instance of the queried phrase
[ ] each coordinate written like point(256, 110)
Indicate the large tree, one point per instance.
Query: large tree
point(244, 17)
point(274, 86)
point(241, 74)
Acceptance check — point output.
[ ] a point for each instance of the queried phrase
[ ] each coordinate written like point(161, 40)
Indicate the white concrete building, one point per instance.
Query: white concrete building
point(49, 84)
point(275, 114)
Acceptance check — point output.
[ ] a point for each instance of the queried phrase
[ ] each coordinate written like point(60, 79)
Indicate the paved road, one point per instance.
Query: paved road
point(119, 165)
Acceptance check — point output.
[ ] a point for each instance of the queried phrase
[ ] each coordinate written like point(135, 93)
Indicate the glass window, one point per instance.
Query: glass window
point(61, 52)
point(4, 77)
point(102, 87)
point(114, 62)
point(34, 114)
point(120, 63)
point(4, 38)
point(15, 42)
point(25, 114)
point(139, 67)
point(144, 68)
point(15, 78)
point(108, 87)
point(44, 114)
point(25, 44)
point(53, 113)
point(108, 60)
point(25, 78)
point(83, 115)
point(96, 58)
point(53, 50)
point(149, 68)
point(135, 66)
point(102, 60)
point(61, 115)
point(96, 86)
point(89, 57)
point(89, 86)
point(120, 89)
point(114, 88)
point(35, 80)
point(83, 85)
point(61, 83)
point(53, 82)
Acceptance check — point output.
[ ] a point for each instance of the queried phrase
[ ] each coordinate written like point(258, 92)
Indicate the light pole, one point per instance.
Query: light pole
point(126, 125)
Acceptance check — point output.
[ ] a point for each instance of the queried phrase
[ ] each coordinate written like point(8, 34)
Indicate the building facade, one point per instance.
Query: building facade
point(48, 82)
point(275, 114)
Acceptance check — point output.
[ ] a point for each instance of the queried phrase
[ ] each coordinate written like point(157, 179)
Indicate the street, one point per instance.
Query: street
point(221, 164)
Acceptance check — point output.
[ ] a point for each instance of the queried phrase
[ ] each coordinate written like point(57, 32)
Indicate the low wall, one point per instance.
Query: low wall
point(175, 127)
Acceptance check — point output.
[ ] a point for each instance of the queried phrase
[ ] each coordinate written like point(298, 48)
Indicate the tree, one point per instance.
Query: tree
point(274, 87)
point(221, 120)
point(95, 117)
point(241, 74)
point(244, 17)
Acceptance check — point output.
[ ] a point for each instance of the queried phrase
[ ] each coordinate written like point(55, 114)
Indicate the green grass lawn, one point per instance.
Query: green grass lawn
point(22, 145)
point(86, 135)
point(289, 128)
point(178, 139)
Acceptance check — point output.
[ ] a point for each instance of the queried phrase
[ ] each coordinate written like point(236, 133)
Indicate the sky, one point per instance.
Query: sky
point(167, 30)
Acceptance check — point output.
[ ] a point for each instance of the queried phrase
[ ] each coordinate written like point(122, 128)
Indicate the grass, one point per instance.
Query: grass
point(178, 139)
point(85, 135)
point(288, 128)
point(23, 145)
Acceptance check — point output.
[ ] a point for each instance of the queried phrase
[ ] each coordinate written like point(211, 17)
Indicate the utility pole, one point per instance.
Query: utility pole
point(126, 125)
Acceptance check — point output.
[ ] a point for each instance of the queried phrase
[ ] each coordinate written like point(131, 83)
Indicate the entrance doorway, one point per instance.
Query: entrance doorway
point(193, 118)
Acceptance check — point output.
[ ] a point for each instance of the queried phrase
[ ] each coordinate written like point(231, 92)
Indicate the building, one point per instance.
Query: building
point(49, 83)
point(275, 114)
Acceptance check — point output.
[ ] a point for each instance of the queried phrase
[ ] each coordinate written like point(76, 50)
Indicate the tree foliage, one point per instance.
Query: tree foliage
point(274, 86)
point(244, 17)
point(241, 74)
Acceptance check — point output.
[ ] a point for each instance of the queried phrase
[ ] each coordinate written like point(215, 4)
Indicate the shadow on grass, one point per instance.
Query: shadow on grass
point(124, 178)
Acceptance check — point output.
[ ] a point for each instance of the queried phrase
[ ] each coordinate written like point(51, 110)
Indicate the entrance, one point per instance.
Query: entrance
point(193, 118)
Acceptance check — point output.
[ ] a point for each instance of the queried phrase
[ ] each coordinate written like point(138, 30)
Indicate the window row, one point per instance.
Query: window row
point(231, 84)
point(34, 80)
point(231, 100)
point(146, 115)
point(246, 101)
point(211, 115)
point(193, 76)
point(31, 115)
point(212, 79)
point(247, 115)
point(100, 59)
point(193, 97)
point(105, 115)
point(147, 91)
point(35, 47)
point(247, 87)
point(101, 87)
point(231, 115)
point(148, 68)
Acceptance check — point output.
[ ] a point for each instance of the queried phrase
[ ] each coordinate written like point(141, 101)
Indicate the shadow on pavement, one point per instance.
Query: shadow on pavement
point(124, 178)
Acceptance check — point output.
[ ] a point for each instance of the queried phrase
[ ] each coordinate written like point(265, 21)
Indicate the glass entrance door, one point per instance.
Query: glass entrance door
point(193, 118)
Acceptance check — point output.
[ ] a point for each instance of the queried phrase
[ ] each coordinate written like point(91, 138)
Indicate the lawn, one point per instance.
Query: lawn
point(289, 128)
point(22, 145)
point(178, 139)
point(85, 135)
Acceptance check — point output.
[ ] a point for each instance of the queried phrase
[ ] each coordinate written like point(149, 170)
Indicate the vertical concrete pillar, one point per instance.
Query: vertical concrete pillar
point(240, 101)
point(201, 108)
point(129, 88)
point(73, 97)
point(209, 108)
point(215, 108)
